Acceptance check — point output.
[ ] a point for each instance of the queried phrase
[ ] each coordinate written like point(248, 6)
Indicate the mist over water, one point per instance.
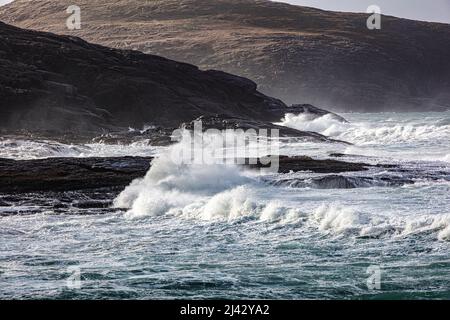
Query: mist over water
point(411, 136)
point(219, 231)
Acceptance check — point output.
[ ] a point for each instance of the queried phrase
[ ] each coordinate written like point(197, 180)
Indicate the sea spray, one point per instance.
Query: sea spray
point(169, 187)
point(214, 240)
point(363, 132)
point(226, 192)
point(338, 219)
point(194, 189)
point(403, 137)
point(327, 125)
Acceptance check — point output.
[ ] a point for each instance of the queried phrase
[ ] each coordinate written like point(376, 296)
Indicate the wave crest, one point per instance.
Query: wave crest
point(368, 133)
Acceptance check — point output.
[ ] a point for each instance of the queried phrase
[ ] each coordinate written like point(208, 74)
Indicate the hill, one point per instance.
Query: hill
point(63, 84)
point(297, 54)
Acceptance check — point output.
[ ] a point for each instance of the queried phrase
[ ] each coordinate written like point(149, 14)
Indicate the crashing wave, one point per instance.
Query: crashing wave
point(195, 189)
point(339, 219)
point(368, 133)
point(226, 193)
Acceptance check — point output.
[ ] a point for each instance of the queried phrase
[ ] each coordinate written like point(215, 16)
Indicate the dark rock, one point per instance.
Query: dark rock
point(312, 111)
point(63, 174)
point(302, 163)
point(105, 177)
point(317, 112)
point(60, 205)
point(340, 155)
point(66, 174)
point(61, 85)
point(91, 204)
point(343, 182)
point(223, 122)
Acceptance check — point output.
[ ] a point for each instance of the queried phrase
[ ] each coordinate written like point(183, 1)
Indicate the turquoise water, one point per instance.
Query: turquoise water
point(176, 236)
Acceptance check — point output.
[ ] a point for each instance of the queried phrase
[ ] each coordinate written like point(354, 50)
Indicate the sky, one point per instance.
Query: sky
point(426, 10)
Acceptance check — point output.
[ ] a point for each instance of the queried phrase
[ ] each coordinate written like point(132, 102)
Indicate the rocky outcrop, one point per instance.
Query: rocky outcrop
point(224, 122)
point(295, 53)
point(67, 174)
point(303, 163)
point(344, 182)
point(64, 85)
point(313, 111)
point(113, 174)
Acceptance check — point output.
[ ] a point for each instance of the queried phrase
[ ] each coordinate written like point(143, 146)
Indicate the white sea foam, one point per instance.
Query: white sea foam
point(368, 132)
point(446, 158)
point(182, 189)
point(439, 223)
point(327, 125)
point(202, 191)
point(338, 219)
point(224, 192)
point(403, 136)
point(173, 187)
point(21, 149)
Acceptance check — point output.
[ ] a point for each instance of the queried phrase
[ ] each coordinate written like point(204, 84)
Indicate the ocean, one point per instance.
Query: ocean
point(222, 232)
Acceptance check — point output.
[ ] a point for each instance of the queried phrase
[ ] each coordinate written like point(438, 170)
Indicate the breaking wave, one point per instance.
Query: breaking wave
point(327, 125)
point(404, 137)
point(369, 133)
point(206, 192)
point(210, 193)
point(227, 193)
point(338, 219)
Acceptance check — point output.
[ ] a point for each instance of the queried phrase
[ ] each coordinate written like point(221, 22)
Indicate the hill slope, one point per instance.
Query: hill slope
point(298, 54)
point(64, 84)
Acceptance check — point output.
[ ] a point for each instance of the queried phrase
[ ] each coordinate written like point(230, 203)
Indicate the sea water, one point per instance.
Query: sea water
point(218, 231)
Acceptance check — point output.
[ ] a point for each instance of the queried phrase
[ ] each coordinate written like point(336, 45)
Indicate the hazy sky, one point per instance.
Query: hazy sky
point(427, 10)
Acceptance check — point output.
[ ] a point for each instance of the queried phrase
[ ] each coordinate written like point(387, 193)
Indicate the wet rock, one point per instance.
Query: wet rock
point(67, 174)
point(223, 122)
point(60, 85)
point(63, 174)
point(294, 164)
point(91, 204)
point(343, 182)
point(312, 111)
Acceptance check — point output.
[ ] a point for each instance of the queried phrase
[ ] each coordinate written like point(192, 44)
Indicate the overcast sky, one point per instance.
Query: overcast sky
point(427, 10)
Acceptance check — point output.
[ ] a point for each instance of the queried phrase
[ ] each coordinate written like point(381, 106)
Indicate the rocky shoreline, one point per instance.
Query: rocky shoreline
point(70, 174)
point(63, 87)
